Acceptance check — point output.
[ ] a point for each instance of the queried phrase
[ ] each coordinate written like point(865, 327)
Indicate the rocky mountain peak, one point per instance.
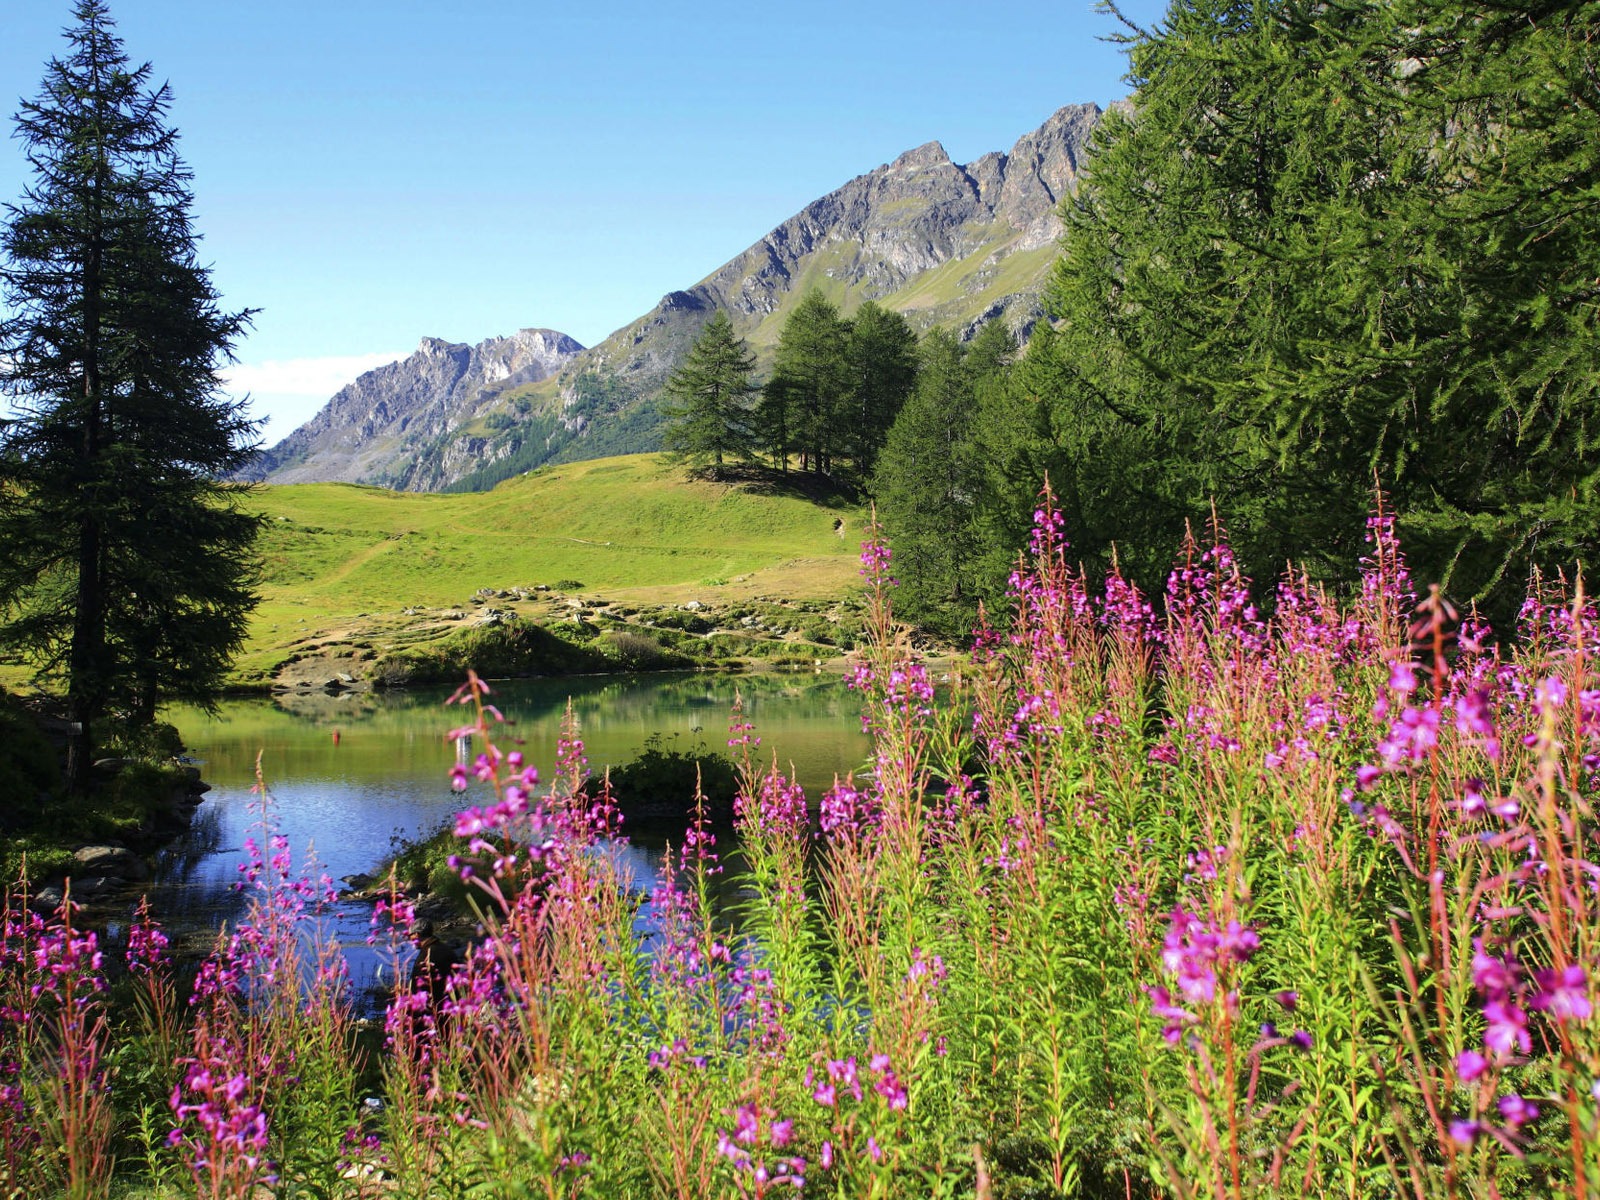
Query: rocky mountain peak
point(362, 434)
point(926, 156)
point(943, 243)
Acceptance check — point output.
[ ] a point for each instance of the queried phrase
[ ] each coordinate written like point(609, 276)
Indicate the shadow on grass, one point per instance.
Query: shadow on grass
point(829, 491)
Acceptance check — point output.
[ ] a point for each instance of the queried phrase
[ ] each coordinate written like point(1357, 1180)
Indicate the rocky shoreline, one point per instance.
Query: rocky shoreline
point(104, 870)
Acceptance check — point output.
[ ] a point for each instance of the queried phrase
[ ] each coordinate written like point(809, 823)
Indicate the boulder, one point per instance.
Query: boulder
point(114, 861)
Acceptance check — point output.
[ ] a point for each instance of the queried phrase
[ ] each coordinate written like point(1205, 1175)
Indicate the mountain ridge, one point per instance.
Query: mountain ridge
point(943, 243)
point(425, 393)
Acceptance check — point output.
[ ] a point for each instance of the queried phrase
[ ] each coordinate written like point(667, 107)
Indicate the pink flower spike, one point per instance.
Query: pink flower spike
point(1470, 1066)
point(1517, 1112)
point(1564, 994)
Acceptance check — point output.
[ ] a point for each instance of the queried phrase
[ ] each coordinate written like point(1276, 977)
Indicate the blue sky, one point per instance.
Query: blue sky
point(368, 172)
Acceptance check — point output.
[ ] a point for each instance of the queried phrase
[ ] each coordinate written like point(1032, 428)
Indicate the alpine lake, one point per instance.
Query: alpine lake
point(350, 776)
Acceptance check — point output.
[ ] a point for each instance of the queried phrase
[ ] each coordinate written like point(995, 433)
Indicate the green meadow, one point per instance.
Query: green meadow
point(347, 562)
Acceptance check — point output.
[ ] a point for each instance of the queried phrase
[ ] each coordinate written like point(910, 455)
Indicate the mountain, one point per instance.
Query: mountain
point(434, 406)
point(943, 243)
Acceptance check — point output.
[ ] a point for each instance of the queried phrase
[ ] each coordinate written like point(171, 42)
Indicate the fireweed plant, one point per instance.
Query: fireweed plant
point(1222, 900)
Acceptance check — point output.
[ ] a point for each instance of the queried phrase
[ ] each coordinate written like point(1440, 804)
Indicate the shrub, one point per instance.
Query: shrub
point(658, 785)
point(29, 766)
point(641, 652)
point(688, 622)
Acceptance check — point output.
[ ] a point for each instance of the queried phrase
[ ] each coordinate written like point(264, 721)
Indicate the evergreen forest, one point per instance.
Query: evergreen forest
point(1326, 249)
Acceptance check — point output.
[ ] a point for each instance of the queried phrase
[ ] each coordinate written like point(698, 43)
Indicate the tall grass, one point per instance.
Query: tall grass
point(1204, 903)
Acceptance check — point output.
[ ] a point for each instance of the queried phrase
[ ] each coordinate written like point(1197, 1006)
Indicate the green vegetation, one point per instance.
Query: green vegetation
point(342, 563)
point(1337, 246)
point(802, 405)
point(931, 480)
point(880, 369)
point(656, 789)
point(127, 568)
point(835, 388)
point(1115, 917)
point(130, 805)
point(707, 409)
point(1339, 243)
point(423, 865)
point(514, 647)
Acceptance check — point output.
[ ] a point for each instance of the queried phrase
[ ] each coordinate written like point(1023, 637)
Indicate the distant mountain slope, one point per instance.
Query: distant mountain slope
point(945, 244)
point(428, 405)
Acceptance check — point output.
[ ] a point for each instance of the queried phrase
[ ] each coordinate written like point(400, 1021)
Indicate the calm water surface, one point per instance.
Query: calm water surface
point(385, 776)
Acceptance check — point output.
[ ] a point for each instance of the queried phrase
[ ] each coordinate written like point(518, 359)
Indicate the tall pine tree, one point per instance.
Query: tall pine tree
point(927, 488)
point(881, 367)
point(708, 406)
point(127, 569)
point(1345, 242)
point(803, 406)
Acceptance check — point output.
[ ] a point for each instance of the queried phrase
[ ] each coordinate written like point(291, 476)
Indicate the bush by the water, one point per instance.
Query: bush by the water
point(1197, 904)
point(660, 783)
point(631, 651)
point(513, 648)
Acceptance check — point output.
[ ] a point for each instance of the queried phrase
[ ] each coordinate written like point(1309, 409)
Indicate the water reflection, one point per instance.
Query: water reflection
point(348, 799)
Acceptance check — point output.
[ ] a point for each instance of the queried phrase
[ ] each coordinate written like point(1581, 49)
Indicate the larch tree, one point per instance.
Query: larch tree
point(927, 488)
point(708, 400)
point(127, 573)
point(881, 370)
point(803, 405)
point(1340, 243)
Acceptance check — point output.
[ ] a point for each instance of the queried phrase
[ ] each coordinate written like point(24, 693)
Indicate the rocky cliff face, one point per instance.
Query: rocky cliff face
point(943, 243)
point(385, 427)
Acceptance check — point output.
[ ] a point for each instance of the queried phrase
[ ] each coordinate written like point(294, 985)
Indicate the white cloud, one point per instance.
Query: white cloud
point(286, 393)
point(319, 377)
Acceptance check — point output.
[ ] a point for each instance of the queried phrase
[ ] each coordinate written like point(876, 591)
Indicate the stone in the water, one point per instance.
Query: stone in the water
point(116, 861)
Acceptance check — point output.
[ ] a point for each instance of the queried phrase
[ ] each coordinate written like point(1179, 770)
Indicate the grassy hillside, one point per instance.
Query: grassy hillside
point(344, 563)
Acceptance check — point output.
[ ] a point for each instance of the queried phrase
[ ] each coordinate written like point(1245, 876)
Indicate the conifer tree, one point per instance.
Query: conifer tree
point(1350, 242)
point(927, 488)
point(803, 405)
point(127, 569)
point(1508, 475)
point(708, 399)
point(881, 364)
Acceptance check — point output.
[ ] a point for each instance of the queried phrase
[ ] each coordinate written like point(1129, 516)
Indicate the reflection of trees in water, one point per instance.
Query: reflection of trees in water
point(536, 704)
point(191, 903)
point(202, 838)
